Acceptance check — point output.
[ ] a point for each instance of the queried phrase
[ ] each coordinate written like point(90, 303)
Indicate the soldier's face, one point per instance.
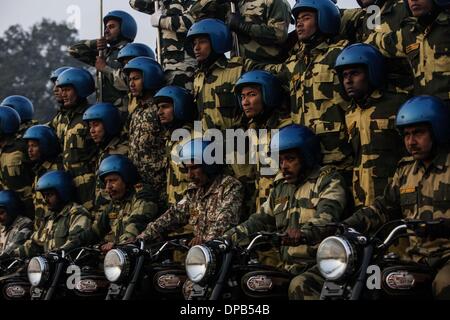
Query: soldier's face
point(418, 141)
point(252, 102)
point(290, 165)
point(197, 175)
point(202, 48)
point(136, 83)
point(57, 94)
point(306, 25)
point(69, 96)
point(115, 186)
point(356, 82)
point(52, 199)
point(165, 112)
point(97, 131)
point(3, 216)
point(33, 150)
point(112, 30)
point(420, 8)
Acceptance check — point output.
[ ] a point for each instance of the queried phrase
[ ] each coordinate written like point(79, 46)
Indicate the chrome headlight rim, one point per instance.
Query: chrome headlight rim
point(44, 268)
point(349, 253)
point(124, 265)
point(210, 263)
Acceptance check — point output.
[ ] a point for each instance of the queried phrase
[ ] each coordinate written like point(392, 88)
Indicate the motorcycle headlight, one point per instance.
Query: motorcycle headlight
point(116, 265)
point(335, 258)
point(38, 271)
point(200, 263)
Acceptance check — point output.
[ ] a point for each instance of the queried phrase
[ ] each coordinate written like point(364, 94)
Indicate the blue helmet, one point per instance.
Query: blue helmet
point(298, 137)
point(48, 141)
point(184, 108)
point(152, 72)
point(80, 79)
point(193, 150)
point(108, 114)
point(58, 180)
point(367, 55)
point(120, 165)
point(55, 73)
point(426, 109)
point(9, 120)
point(128, 26)
point(271, 89)
point(133, 50)
point(22, 105)
point(10, 201)
point(218, 32)
point(329, 18)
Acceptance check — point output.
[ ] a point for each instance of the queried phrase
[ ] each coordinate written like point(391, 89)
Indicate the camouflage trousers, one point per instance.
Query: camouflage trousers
point(441, 283)
point(306, 286)
point(181, 78)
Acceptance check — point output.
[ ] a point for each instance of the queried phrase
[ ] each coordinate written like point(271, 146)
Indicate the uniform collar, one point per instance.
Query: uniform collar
point(440, 162)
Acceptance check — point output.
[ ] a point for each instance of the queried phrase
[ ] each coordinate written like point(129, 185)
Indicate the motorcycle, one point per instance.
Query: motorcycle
point(136, 272)
point(13, 279)
point(358, 267)
point(56, 275)
point(220, 270)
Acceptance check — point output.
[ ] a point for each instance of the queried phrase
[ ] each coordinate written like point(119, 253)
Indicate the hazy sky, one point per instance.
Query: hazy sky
point(85, 14)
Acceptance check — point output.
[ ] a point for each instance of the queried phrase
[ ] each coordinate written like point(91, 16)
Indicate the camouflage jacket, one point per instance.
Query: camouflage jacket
point(358, 24)
point(123, 219)
point(213, 92)
point(210, 211)
point(427, 50)
point(316, 100)
point(376, 144)
point(78, 152)
point(117, 145)
point(415, 192)
point(16, 172)
point(15, 235)
point(40, 206)
point(147, 147)
point(59, 231)
point(86, 51)
point(267, 25)
point(319, 199)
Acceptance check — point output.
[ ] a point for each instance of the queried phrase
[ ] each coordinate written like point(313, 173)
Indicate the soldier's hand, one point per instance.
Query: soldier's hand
point(141, 236)
point(101, 44)
point(196, 241)
point(293, 237)
point(234, 21)
point(107, 246)
point(100, 63)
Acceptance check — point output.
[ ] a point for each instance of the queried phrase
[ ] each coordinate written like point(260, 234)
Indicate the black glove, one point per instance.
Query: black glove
point(5, 255)
point(439, 228)
point(237, 24)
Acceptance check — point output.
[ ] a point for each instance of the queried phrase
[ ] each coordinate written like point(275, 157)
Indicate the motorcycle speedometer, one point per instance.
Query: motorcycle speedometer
point(200, 263)
point(116, 265)
point(335, 258)
point(38, 271)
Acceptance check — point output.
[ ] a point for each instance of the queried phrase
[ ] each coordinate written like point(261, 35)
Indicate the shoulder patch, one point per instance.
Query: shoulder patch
point(412, 47)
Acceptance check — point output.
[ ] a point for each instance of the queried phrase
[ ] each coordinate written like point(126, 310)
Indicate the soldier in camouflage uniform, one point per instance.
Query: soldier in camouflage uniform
point(44, 152)
point(63, 222)
point(15, 228)
point(358, 24)
point(419, 190)
point(146, 136)
point(105, 129)
point(261, 97)
point(210, 205)
point(423, 40)
point(304, 194)
point(370, 118)
point(316, 101)
point(120, 29)
point(129, 210)
point(173, 20)
point(15, 166)
point(176, 112)
point(24, 108)
point(78, 148)
point(261, 26)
